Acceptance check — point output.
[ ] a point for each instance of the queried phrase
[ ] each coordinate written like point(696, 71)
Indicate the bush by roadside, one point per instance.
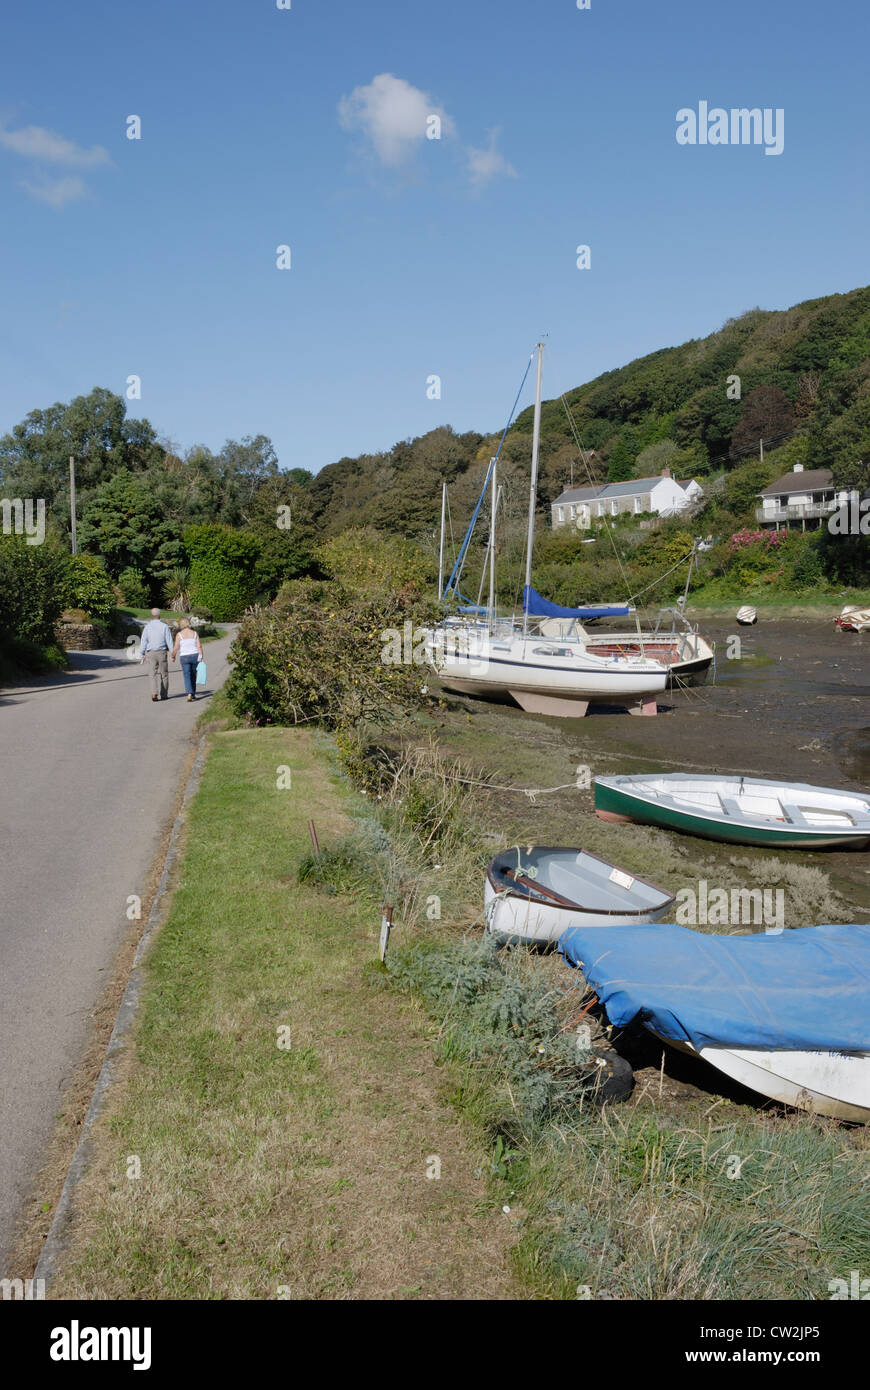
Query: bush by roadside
point(316, 656)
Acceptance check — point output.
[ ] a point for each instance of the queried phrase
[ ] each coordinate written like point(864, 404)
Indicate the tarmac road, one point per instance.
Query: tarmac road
point(89, 770)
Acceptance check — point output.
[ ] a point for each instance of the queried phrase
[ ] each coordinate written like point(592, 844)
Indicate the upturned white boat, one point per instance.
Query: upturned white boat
point(747, 615)
point(534, 894)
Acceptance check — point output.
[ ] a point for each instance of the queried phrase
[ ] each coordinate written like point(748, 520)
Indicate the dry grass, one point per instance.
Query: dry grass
point(267, 1171)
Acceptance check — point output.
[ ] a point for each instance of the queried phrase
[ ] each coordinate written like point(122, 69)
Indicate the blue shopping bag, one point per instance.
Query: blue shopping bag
point(200, 673)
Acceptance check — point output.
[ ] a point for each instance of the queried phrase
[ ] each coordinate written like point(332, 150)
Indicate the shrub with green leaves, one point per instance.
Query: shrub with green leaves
point(370, 561)
point(222, 569)
point(34, 583)
point(498, 1011)
point(90, 587)
point(133, 588)
point(806, 568)
point(317, 658)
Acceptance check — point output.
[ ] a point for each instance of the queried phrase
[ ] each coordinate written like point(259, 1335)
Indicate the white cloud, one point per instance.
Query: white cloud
point(483, 165)
point(57, 192)
point(34, 142)
point(392, 114)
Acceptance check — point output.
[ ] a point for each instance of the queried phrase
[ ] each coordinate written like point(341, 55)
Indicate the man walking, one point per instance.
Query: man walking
point(156, 644)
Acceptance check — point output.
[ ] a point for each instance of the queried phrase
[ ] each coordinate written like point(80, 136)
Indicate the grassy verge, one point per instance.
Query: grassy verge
point(304, 1169)
point(779, 605)
point(274, 1131)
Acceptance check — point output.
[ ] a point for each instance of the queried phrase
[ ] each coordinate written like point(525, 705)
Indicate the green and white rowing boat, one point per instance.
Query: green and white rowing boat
point(742, 810)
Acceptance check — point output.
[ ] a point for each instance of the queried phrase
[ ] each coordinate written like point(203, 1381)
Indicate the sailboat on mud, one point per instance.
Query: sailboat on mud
point(479, 654)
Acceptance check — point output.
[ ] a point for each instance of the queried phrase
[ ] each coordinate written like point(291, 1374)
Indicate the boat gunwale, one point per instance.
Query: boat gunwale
point(512, 891)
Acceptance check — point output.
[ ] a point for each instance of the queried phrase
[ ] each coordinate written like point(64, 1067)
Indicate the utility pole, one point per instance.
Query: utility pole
point(761, 449)
point(72, 502)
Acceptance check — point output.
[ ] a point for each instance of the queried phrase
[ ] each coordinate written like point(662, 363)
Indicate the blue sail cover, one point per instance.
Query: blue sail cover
point(806, 989)
point(538, 607)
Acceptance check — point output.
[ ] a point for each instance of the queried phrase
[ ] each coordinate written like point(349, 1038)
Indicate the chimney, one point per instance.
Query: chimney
point(666, 472)
point(798, 468)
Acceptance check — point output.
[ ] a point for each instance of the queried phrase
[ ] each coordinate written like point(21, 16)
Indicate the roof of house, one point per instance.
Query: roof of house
point(809, 481)
point(580, 494)
point(607, 490)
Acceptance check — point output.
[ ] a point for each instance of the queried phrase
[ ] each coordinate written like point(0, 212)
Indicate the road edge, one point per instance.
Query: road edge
point(53, 1246)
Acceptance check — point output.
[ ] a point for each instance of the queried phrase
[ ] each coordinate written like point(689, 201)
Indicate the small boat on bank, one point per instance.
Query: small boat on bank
point(740, 810)
point(747, 615)
point(853, 620)
point(787, 1015)
point(534, 894)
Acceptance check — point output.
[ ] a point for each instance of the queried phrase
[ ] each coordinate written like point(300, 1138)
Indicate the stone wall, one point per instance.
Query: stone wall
point(81, 637)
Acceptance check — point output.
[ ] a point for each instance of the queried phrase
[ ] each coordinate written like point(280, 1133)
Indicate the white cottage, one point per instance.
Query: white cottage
point(658, 496)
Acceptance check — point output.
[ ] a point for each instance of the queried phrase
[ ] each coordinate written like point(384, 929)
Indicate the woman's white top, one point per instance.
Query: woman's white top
point(188, 646)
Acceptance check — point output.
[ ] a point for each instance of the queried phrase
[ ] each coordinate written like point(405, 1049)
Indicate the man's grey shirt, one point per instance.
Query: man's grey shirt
point(155, 637)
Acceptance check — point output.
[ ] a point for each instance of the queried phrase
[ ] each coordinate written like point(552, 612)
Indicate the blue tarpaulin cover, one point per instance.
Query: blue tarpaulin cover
point(806, 989)
point(538, 607)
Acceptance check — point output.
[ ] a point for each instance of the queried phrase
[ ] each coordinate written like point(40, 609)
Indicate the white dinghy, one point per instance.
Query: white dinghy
point(534, 894)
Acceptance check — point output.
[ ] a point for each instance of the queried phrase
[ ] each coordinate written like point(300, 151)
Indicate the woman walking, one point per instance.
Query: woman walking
point(187, 643)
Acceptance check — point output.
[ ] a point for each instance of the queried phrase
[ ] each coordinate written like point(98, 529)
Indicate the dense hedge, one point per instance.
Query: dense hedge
point(317, 655)
point(34, 584)
point(222, 569)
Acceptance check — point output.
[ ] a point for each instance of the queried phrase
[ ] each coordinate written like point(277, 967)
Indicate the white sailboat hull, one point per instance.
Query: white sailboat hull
point(687, 655)
point(539, 675)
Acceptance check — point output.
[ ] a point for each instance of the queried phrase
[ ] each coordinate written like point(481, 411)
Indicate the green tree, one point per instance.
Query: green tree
point(280, 517)
point(222, 569)
point(622, 456)
point(89, 586)
point(94, 429)
point(742, 486)
point(363, 560)
point(34, 586)
point(125, 524)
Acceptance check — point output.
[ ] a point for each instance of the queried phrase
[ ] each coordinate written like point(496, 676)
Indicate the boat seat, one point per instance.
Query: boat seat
point(731, 807)
point(794, 814)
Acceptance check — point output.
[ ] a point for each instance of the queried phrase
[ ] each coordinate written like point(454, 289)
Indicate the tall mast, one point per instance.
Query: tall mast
point(533, 490)
point(492, 546)
point(441, 546)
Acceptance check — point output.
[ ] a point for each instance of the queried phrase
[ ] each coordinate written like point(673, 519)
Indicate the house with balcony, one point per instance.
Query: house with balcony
point(804, 495)
point(660, 496)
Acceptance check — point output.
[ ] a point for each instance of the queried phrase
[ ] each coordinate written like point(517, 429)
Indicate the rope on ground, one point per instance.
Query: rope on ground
point(531, 792)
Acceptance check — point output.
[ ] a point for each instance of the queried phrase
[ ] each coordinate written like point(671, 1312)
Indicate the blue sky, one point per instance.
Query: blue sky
point(410, 257)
